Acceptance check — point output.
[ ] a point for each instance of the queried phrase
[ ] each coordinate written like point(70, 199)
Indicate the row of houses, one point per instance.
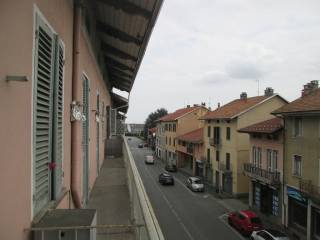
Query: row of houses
point(261, 147)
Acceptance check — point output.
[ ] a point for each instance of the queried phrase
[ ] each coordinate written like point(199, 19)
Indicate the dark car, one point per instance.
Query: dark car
point(245, 221)
point(166, 179)
point(171, 168)
point(140, 145)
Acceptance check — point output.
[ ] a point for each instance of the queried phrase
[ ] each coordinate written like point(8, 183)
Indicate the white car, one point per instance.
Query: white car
point(149, 159)
point(195, 184)
point(268, 234)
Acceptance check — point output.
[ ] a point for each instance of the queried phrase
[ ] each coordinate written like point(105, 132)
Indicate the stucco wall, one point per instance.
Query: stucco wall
point(307, 146)
point(16, 44)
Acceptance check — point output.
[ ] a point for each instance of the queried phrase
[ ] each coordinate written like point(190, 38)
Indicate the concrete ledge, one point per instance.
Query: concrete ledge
point(150, 220)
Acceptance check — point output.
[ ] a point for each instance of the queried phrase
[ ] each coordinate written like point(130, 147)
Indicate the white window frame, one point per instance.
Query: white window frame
point(294, 172)
point(299, 132)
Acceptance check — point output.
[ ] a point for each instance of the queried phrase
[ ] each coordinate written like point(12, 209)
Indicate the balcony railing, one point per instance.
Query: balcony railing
point(307, 187)
point(190, 149)
point(215, 142)
point(271, 177)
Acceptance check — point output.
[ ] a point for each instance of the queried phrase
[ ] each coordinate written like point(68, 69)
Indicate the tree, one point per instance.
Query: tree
point(150, 122)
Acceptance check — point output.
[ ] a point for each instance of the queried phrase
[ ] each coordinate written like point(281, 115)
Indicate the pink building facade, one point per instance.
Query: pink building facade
point(265, 168)
point(57, 73)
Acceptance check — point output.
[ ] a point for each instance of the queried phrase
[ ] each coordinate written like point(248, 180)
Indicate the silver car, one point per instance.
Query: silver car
point(195, 184)
point(268, 234)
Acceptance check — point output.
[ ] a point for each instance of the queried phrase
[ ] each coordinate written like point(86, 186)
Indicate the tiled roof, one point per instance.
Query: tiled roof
point(232, 109)
point(178, 113)
point(195, 136)
point(269, 126)
point(308, 103)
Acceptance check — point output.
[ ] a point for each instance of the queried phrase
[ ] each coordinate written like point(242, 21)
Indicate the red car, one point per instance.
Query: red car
point(245, 221)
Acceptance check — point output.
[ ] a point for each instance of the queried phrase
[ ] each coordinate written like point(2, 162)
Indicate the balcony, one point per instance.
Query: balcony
point(310, 189)
point(215, 142)
point(270, 177)
point(118, 207)
point(190, 148)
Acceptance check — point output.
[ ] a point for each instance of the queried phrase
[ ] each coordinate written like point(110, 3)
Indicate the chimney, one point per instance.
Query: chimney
point(196, 105)
point(309, 87)
point(188, 106)
point(203, 104)
point(218, 104)
point(268, 92)
point(243, 95)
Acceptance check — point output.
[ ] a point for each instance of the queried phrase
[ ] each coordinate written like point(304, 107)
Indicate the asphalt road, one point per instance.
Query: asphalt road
point(182, 214)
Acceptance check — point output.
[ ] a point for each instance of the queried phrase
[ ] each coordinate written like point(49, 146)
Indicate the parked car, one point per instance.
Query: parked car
point(268, 234)
point(166, 178)
point(171, 168)
point(129, 139)
point(149, 159)
point(140, 145)
point(245, 221)
point(195, 184)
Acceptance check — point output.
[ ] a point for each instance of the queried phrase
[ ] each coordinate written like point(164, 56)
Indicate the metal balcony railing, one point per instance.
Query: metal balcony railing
point(215, 142)
point(307, 187)
point(271, 177)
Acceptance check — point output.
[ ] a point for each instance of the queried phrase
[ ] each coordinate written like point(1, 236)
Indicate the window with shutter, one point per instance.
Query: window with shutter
point(58, 120)
point(85, 139)
point(98, 135)
point(42, 110)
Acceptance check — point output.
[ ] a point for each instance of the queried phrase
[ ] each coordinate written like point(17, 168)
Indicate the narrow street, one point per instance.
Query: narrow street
point(182, 214)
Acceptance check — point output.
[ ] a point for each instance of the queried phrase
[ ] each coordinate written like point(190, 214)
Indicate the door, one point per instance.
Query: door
point(85, 140)
point(227, 182)
point(47, 140)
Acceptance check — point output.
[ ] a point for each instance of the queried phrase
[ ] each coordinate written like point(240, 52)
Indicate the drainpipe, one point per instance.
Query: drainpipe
point(76, 96)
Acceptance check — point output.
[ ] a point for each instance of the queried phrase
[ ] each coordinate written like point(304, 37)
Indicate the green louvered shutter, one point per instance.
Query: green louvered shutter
point(98, 134)
point(42, 110)
point(58, 120)
point(85, 141)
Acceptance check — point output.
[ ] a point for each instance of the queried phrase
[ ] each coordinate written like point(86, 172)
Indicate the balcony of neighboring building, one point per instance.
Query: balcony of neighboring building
point(310, 189)
point(268, 176)
point(215, 142)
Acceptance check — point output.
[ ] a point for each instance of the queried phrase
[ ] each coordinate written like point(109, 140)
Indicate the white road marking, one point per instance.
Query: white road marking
point(170, 206)
point(223, 219)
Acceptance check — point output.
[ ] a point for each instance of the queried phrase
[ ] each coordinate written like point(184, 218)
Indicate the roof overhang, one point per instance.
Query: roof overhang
point(120, 103)
point(120, 31)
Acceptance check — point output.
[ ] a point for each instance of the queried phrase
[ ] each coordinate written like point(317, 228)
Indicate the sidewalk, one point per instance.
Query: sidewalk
point(110, 197)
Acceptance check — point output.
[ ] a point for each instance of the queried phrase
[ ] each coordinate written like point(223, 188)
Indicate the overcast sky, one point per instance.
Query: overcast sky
point(212, 50)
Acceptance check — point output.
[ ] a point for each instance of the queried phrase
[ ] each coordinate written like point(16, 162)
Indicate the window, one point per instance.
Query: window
point(228, 161)
point(174, 142)
point(166, 140)
point(48, 115)
point(174, 127)
point(272, 160)
point(170, 141)
point(297, 127)
point(208, 155)
point(256, 156)
point(297, 165)
point(209, 131)
point(217, 156)
point(169, 127)
point(228, 133)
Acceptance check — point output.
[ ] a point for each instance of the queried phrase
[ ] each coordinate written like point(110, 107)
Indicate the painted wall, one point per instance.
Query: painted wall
point(307, 146)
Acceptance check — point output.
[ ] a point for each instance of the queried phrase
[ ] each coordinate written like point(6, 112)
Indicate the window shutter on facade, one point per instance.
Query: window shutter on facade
point(58, 120)
point(42, 110)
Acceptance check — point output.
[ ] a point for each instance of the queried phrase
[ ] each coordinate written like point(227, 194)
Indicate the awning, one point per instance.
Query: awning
point(122, 29)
